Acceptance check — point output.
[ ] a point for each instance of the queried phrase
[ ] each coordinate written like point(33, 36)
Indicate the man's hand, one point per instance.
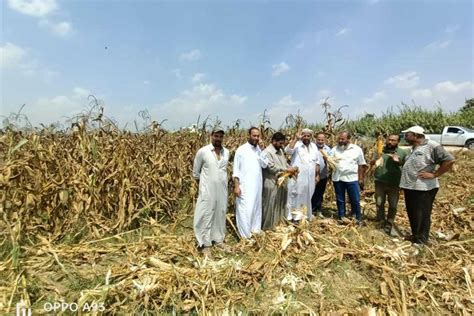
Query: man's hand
point(261, 144)
point(361, 185)
point(426, 175)
point(298, 134)
point(317, 178)
point(395, 157)
point(237, 191)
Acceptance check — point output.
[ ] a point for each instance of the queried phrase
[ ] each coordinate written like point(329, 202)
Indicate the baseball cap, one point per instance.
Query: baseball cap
point(218, 129)
point(416, 130)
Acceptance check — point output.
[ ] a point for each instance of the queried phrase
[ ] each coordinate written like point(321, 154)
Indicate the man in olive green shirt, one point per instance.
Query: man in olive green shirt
point(387, 181)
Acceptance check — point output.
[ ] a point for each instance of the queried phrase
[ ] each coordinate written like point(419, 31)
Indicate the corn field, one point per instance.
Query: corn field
point(394, 121)
point(105, 216)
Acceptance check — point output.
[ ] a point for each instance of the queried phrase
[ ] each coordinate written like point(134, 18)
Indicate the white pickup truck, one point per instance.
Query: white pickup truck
point(454, 136)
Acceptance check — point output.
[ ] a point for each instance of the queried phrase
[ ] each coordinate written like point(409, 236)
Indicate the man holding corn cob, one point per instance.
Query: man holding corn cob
point(275, 175)
point(210, 170)
point(348, 175)
point(388, 160)
point(304, 156)
point(247, 174)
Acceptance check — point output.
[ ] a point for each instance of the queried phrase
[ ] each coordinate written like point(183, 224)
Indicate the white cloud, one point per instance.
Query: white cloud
point(279, 69)
point(342, 32)
point(280, 109)
point(18, 60)
point(311, 112)
point(192, 55)
point(60, 29)
point(452, 28)
point(47, 110)
point(202, 99)
point(287, 101)
point(198, 77)
point(451, 87)
point(422, 93)
point(42, 9)
point(146, 82)
point(300, 45)
point(438, 45)
point(376, 97)
point(450, 94)
point(406, 80)
point(11, 56)
point(79, 92)
point(37, 8)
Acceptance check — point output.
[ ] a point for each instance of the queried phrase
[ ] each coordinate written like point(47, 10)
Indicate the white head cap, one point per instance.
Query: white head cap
point(416, 130)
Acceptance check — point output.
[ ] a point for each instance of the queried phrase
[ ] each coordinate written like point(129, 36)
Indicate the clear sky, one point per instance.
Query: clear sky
point(233, 59)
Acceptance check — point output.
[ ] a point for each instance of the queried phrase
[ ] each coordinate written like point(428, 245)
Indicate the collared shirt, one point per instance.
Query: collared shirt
point(206, 161)
point(323, 168)
point(423, 157)
point(347, 163)
point(391, 171)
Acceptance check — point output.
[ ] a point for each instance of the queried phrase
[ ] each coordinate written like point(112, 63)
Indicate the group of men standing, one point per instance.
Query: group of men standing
point(262, 202)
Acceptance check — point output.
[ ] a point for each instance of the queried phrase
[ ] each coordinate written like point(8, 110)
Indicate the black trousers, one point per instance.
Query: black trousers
point(419, 205)
point(317, 198)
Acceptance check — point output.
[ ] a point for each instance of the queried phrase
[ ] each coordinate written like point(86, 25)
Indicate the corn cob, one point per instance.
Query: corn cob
point(330, 161)
point(283, 176)
point(379, 147)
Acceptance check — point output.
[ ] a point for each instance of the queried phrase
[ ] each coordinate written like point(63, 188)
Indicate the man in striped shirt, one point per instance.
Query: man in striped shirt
point(420, 180)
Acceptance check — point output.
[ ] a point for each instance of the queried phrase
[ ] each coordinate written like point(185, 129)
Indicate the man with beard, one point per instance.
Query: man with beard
point(304, 155)
point(348, 175)
point(247, 174)
point(419, 180)
point(210, 170)
point(387, 181)
point(317, 199)
point(274, 196)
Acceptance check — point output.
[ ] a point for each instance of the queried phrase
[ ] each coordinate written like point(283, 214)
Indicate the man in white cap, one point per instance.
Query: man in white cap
point(210, 170)
point(420, 180)
point(304, 156)
point(247, 174)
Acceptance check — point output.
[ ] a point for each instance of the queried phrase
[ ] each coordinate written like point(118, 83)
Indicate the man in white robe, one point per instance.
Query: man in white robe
point(247, 174)
point(304, 155)
point(210, 170)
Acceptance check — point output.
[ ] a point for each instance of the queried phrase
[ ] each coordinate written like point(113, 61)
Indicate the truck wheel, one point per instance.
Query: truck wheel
point(470, 144)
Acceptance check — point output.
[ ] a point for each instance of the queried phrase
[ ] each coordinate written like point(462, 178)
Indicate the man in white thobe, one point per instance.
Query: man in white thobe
point(247, 174)
point(304, 155)
point(210, 170)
